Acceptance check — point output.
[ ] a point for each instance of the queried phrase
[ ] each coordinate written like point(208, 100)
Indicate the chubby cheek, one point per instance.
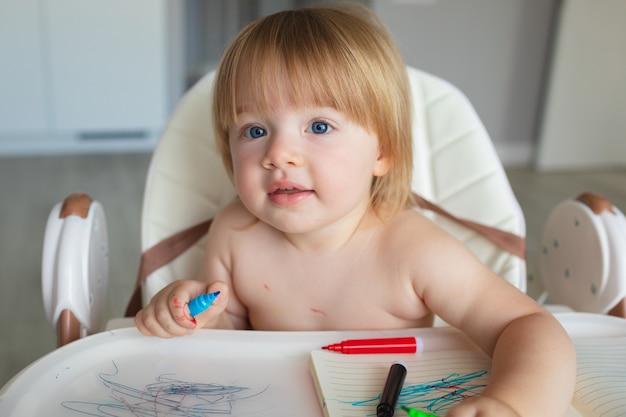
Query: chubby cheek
point(244, 188)
point(344, 177)
point(247, 182)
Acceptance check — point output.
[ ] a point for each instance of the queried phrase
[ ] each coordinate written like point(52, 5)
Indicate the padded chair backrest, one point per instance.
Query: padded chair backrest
point(456, 167)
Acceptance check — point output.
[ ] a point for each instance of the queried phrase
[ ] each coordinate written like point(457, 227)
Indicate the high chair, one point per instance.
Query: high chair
point(455, 167)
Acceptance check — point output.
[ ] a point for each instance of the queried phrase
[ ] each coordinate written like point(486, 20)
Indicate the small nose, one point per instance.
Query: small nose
point(282, 151)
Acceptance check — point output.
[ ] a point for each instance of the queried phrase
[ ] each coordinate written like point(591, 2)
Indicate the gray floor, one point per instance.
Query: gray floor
point(31, 186)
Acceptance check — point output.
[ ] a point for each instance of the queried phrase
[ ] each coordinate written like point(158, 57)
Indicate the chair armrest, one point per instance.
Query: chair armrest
point(75, 267)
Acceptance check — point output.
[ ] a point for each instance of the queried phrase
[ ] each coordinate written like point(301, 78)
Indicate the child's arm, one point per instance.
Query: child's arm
point(533, 371)
point(533, 368)
point(217, 268)
point(167, 314)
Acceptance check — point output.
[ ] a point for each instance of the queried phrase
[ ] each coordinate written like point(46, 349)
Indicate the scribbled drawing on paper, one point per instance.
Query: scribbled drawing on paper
point(438, 395)
point(168, 396)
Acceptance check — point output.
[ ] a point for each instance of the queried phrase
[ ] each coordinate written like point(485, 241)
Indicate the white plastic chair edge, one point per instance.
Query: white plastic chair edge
point(599, 287)
point(75, 271)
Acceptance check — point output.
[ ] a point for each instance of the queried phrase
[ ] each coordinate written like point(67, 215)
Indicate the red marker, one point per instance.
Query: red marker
point(383, 345)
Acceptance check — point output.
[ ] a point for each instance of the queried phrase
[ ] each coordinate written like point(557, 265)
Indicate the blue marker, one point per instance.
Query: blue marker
point(201, 303)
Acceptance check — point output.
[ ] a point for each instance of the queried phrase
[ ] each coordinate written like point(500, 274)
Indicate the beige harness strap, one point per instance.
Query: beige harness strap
point(160, 255)
point(510, 242)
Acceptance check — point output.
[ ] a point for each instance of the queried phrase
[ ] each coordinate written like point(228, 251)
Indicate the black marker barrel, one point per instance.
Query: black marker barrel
point(391, 391)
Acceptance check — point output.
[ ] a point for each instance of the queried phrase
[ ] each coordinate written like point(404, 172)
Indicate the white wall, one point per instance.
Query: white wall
point(81, 76)
point(493, 50)
point(585, 115)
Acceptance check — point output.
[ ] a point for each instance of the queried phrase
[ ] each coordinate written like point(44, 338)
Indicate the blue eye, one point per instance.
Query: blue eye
point(320, 128)
point(255, 132)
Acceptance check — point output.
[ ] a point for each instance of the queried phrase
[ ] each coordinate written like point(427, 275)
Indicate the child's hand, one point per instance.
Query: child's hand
point(167, 314)
point(482, 406)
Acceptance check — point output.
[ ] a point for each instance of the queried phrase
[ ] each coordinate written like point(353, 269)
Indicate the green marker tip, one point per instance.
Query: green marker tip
point(413, 412)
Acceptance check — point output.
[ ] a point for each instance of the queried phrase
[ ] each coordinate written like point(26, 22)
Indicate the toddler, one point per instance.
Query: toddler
point(312, 112)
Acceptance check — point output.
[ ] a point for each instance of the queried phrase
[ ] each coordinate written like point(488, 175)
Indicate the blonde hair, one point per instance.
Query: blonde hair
point(339, 56)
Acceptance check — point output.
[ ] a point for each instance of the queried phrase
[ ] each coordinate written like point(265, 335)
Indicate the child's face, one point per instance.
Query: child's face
point(302, 169)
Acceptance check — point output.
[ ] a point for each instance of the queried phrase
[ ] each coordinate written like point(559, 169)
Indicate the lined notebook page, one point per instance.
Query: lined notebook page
point(350, 385)
point(601, 376)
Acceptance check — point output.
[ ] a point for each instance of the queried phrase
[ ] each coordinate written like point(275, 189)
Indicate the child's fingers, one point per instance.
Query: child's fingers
point(166, 315)
point(147, 323)
point(156, 320)
point(482, 406)
point(178, 311)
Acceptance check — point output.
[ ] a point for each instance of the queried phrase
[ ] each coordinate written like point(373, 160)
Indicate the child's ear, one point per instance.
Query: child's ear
point(382, 164)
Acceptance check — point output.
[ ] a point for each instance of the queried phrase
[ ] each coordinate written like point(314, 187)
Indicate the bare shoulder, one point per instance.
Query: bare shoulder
point(427, 253)
point(412, 229)
point(234, 216)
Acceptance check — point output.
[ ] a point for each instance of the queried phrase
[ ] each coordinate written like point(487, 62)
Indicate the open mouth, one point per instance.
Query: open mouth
point(290, 190)
point(288, 196)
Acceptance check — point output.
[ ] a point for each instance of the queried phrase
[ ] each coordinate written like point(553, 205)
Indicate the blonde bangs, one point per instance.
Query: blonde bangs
point(294, 58)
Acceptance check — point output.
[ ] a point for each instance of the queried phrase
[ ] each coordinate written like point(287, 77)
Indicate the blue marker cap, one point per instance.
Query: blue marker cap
point(201, 303)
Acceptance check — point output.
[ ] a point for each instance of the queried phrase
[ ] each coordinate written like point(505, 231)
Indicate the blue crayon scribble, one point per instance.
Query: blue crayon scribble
point(438, 395)
point(168, 396)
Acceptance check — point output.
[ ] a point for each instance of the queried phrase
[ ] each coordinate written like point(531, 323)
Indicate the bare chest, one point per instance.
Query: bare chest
point(352, 291)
